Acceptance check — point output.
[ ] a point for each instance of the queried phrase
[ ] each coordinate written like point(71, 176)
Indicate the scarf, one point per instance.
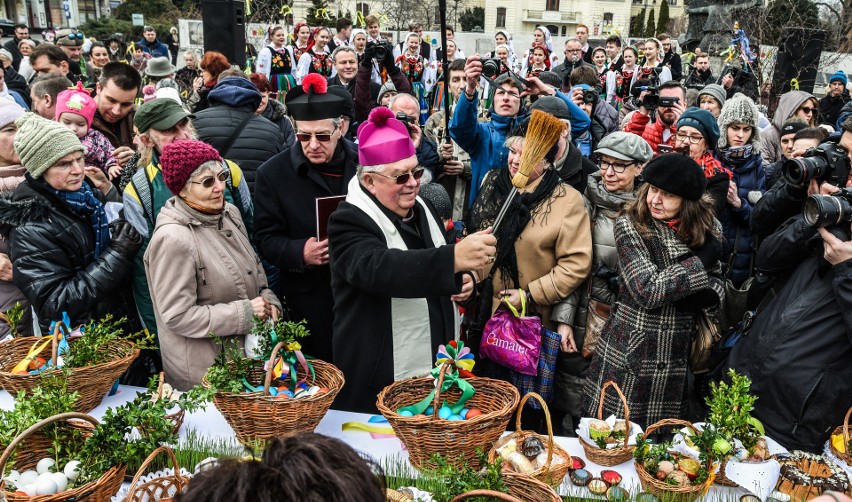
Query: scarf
point(332, 171)
point(673, 224)
point(711, 166)
point(83, 203)
point(202, 209)
point(737, 155)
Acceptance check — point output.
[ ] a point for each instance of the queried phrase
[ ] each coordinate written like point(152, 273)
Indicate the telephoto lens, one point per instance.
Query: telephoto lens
point(381, 52)
point(826, 210)
point(801, 171)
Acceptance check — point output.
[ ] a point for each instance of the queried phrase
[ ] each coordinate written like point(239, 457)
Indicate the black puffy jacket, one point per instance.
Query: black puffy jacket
point(231, 101)
point(776, 206)
point(798, 350)
point(53, 256)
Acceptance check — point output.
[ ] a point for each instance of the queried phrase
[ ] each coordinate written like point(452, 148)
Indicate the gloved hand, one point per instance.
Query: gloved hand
point(369, 54)
point(125, 239)
point(389, 61)
point(614, 283)
point(710, 252)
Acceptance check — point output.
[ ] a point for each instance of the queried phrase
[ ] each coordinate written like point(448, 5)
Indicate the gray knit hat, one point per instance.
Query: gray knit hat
point(716, 91)
point(388, 87)
point(739, 110)
point(41, 142)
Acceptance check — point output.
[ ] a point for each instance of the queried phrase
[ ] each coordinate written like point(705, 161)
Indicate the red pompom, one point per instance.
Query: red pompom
point(380, 115)
point(316, 81)
point(81, 88)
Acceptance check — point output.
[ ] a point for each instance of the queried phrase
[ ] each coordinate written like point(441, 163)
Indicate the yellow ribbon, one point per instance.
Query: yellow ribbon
point(794, 84)
point(285, 9)
point(323, 13)
point(358, 426)
point(34, 351)
point(359, 19)
point(248, 7)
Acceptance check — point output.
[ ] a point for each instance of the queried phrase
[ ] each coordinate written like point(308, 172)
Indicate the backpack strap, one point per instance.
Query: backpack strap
point(226, 147)
point(143, 188)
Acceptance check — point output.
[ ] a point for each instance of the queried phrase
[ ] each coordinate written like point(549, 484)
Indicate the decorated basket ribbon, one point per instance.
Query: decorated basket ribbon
point(288, 363)
point(455, 361)
point(61, 332)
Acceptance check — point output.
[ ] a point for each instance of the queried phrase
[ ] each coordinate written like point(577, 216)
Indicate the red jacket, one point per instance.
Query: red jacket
point(652, 133)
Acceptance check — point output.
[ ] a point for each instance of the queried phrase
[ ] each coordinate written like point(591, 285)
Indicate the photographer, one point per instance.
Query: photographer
point(584, 87)
point(407, 111)
point(661, 128)
point(798, 349)
point(735, 80)
point(701, 74)
point(364, 100)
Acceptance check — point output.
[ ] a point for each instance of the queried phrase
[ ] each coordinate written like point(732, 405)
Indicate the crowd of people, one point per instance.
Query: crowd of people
point(188, 201)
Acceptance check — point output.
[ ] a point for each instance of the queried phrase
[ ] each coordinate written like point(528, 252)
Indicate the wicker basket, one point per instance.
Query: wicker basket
point(486, 493)
point(528, 489)
point(548, 473)
point(258, 416)
point(842, 429)
point(101, 490)
point(721, 479)
point(456, 440)
point(175, 418)
point(610, 456)
point(395, 496)
point(92, 382)
point(661, 489)
point(160, 489)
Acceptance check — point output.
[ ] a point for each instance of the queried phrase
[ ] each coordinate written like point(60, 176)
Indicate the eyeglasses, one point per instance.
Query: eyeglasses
point(808, 109)
point(209, 181)
point(402, 179)
point(321, 137)
point(618, 168)
point(692, 139)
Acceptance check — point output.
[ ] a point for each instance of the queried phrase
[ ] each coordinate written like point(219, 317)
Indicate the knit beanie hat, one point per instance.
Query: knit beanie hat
point(440, 199)
point(383, 139)
point(739, 110)
point(839, 76)
point(41, 142)
point(77, 101)
point(792, 126)
point(702, 120)
point(181, 158)
point(9, 112)
point(716, 91)
point(676, 173)
point(388, 87)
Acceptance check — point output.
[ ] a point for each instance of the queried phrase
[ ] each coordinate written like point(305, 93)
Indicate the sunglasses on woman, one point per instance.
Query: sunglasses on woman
point(808, 109)
point(402, 179)
point(209, 181)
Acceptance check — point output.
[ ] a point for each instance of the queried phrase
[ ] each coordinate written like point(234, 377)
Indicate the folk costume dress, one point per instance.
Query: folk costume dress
point(313, 61)
point(618, 86)
point(276, 63)
point(415, 68)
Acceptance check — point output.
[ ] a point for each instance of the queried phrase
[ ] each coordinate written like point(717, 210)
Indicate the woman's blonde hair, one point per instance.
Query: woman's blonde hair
point(697, 217)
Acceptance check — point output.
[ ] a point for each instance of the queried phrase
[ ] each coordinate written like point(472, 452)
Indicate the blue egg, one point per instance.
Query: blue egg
point(288, 393)
point(455, 418)
point(444, 413)
point(406, 413)
point(429, 411)
point(463, 413)
point(273, 391)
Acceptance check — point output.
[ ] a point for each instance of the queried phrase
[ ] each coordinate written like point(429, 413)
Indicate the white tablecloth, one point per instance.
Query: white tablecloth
point(209, 422)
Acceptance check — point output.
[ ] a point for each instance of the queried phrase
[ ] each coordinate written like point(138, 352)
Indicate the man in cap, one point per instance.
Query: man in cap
point(394, 276)
point(71, 43)
point(319, 164)
point(160, 122)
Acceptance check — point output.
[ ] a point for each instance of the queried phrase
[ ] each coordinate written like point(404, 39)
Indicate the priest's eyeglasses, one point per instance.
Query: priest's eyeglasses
point(402, 179)
point(322, 138)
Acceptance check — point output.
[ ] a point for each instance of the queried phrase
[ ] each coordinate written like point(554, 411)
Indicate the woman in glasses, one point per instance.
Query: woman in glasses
point(794, 104)
point(697, 134)
point(203, 273)
point(544, 249)
point(667, 242)
point(620, 157)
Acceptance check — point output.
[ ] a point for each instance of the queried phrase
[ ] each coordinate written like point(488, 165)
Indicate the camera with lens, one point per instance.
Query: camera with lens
point(491, 66)
point(405, 119)
point(825, 163)
point(829, 210)
point(590, 96)
point(381, 49)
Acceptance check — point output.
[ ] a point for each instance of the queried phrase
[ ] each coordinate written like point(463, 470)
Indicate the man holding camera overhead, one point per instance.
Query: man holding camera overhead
point(657, 116)
point(798, 349)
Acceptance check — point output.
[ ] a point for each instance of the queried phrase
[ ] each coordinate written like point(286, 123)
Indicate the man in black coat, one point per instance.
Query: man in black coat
point(319, 164)
point(670, 57)
point(394, 276)
point(573, 59)
point(21, 33)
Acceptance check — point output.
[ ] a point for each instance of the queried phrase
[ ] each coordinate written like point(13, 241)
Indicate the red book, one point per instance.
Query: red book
point(324, 207)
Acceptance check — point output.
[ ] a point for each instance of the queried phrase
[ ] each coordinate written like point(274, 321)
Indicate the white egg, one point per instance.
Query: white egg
point(29, 489)
point(45, 486)
point(27, 477)
point(60, 480)
point(72, 470)
point(44, 465)
point(13, 477)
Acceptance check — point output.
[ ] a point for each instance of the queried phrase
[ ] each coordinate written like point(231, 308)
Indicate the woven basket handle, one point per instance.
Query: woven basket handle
point(436, 404)
point(151, 457)
point(486, 493)
point(34, 428)
point(267, 381)
point(546, 418)
point(162, 380)
point(846, 430)
point(680, 423)
point(623, 401)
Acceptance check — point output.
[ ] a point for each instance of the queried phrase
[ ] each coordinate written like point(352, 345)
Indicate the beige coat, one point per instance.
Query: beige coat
point(202, 273)
point(554, 251)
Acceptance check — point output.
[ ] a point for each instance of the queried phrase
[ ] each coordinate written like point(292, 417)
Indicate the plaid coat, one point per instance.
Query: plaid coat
point(644, 345)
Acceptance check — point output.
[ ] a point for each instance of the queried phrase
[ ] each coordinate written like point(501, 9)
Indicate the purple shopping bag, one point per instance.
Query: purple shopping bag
point(512, 340)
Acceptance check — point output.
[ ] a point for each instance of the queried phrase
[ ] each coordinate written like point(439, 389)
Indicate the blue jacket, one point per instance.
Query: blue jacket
point(749, 175)
point(485, 141)
point(156, 48)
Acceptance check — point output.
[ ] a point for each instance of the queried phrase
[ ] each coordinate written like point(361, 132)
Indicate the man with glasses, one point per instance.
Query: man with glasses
point(660, 130)
point(394, 277)
point(161, 122)
point(290, 188)
point(407, 109)
point(21, 33)
point(670, 57)
point(71, 42)
point(151, 44)
point(573, 59)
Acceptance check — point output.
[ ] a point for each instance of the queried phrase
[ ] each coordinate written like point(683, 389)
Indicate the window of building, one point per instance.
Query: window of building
point(607, 18)
point(501, 17)
point(363, 8)
point(552, 28)
point(552, 5)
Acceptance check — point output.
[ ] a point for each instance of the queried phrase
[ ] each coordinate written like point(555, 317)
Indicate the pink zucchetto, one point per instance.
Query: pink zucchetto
point(383, 139)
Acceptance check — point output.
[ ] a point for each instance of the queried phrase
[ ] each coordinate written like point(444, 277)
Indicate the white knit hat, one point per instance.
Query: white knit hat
point(740, 109)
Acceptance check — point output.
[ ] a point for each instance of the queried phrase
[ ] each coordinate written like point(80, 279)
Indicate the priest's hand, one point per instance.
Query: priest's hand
point(475, 251)
point(315, 253)
point(467, 289)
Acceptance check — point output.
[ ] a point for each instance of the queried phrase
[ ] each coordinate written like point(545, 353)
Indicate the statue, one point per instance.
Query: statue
point(716, 28)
